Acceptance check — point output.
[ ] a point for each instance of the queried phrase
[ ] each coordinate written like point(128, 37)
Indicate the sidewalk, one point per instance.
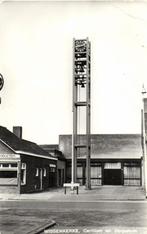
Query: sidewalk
point(122, 193)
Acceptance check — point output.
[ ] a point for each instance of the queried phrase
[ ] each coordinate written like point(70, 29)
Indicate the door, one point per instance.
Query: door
point(52, 177)
point(60, 177)
point(112, 177)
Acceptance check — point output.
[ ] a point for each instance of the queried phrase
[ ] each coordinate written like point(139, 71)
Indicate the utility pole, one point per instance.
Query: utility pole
point(81, 80)
point(144, 138)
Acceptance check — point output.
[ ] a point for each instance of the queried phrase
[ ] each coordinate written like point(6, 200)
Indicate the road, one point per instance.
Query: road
point(122, 214)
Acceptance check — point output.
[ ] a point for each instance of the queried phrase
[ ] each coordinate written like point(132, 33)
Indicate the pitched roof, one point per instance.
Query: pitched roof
point(50, 147)
point(18, 144)
point(105, 146)
point(54, 151)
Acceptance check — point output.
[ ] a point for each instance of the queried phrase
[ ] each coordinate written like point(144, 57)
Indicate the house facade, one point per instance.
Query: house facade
point(24, 166)
point(115, 159)
point(61, 162)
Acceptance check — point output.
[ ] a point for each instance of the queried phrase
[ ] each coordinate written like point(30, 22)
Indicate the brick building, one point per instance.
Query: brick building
point(24, 166)
point(61, 162)
point(115, 159)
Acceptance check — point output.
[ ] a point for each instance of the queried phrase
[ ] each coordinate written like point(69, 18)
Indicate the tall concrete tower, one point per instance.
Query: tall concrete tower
point(81, 84)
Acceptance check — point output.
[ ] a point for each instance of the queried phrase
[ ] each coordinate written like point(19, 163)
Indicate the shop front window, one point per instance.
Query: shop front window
point(8, 173)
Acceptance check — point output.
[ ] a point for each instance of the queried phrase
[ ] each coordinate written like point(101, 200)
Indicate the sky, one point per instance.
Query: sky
point(36, 61)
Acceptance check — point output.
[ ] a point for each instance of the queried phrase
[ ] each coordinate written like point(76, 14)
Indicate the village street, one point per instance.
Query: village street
point(105, 216)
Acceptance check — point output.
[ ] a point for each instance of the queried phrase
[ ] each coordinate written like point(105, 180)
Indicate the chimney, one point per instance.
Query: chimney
point(17, 130)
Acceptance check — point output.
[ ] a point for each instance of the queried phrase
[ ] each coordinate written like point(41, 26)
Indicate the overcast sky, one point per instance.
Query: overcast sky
point(36, 42)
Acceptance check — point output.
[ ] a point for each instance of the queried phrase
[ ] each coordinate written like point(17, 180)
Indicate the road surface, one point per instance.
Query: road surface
point(104, 214)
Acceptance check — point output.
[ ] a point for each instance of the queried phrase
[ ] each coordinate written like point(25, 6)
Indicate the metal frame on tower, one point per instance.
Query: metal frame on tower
point(81, 79)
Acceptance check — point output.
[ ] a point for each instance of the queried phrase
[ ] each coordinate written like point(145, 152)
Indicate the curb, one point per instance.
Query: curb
point(76, 200)
point(42, 227)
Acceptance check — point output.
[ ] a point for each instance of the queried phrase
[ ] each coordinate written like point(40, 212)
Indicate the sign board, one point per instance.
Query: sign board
point(1, 81)
point(9, 156)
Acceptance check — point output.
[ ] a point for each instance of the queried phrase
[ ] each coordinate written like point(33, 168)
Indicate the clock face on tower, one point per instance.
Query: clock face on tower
point(1, 81)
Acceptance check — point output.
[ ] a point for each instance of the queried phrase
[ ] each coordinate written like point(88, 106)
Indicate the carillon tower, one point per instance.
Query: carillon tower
point(81, 102)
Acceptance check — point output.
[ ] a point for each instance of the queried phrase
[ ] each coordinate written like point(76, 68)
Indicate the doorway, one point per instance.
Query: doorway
point(112, 177)
point(60, 177)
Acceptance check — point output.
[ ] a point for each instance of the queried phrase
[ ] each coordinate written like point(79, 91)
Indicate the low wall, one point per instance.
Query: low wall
point(9, 189)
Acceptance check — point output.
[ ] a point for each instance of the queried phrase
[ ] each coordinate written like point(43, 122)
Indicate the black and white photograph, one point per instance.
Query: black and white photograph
point(73, 116)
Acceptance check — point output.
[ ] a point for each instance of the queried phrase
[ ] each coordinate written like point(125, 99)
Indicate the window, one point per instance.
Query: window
point(112, 165)
point(23, 173)
point(23, 166)
point(8, 174)
point(37, 172)
point(79, 172)
point(13, 165)
point(8, 177)
point(44, 172)
point(6, 165)
point(52, 169)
